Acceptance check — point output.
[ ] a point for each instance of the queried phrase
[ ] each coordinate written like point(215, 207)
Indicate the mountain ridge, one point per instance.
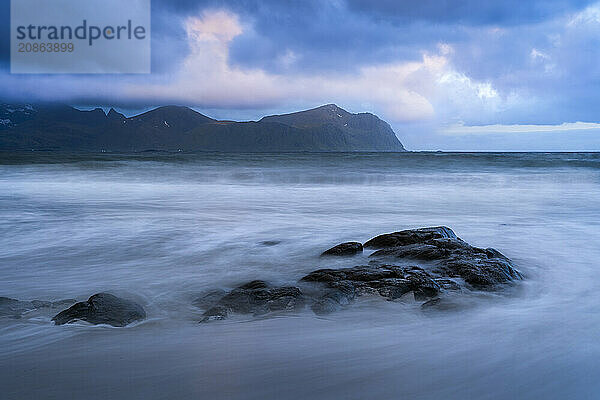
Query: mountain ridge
point(172, 128)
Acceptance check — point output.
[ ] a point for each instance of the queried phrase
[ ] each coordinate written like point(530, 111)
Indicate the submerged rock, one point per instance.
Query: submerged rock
point(344, 249)
point(13, 308)
point(255, 297)
point(102, 308)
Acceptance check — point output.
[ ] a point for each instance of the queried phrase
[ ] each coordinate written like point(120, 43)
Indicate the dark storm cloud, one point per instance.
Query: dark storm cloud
point(332, 35)
point(343, 35)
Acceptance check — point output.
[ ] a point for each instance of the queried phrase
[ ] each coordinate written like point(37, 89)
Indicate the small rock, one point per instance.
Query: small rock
point(257, 298)
point(344, 249)
point(102, 308)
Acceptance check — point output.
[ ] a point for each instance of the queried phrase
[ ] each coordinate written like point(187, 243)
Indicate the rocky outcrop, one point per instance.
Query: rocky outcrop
point(344, 249)
point(432, 266)
point(446, 264)
point(255, 297)
point(449, 256)
point(425, 265)
point(102, 308)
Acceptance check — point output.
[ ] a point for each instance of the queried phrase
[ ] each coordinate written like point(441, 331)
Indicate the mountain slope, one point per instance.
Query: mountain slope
point(362, 131)
point(171, 128)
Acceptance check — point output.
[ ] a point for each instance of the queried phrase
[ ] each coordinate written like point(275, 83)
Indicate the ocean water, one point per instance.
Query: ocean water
point(162, 228)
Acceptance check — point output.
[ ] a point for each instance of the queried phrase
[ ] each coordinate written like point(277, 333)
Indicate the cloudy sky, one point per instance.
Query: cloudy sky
point(450, 75)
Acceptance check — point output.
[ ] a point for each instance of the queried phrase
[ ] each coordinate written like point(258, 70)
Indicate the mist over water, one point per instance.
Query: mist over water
point(162, 228)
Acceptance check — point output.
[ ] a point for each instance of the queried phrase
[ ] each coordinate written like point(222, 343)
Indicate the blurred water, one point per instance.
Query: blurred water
point(161, 228)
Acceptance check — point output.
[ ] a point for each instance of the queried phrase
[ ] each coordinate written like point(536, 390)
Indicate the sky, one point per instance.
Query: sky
point(466, 75)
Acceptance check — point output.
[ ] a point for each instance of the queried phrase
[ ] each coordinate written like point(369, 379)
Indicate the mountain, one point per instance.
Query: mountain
point(172, 128)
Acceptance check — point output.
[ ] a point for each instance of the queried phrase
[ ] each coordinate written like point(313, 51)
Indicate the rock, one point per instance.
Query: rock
point(102, 308)
point(16, 308)
point(447, 265)
point(257, 298)
point(344, 249)
point(448, 284)
point(410, 236)
point(389, 281)
point(480, 268)
point(253, 285)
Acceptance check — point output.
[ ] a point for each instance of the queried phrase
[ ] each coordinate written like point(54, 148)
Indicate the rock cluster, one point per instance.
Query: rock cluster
point(425, 265)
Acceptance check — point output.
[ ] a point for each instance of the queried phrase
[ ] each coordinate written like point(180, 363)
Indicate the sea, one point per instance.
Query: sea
point(162, 228)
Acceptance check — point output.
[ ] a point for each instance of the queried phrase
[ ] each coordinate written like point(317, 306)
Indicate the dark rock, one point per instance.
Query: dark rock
point(448, 284)
point(253, 285)
point(102, 308)
point(389, 281)
point(481, 268)
point(410, 236)
point(257, 298)
point(344, 249)
point(481, 273)
point(16, 308)
point(448, 265)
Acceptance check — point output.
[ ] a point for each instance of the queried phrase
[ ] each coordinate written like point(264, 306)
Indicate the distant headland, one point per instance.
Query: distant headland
point(176, 128)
